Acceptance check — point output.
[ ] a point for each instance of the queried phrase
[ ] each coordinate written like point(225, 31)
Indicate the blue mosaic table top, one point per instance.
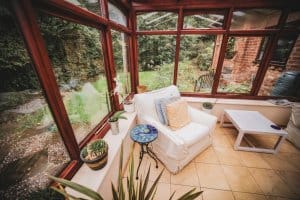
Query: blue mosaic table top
point(143, 133)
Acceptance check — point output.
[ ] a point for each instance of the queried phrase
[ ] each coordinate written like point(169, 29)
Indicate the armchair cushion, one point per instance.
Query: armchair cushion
point(192, 133)
point(160, 105)
point(177, 113)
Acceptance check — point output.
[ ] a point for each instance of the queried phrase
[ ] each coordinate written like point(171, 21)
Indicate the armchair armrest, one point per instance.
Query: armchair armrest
point(201, 117)
point(173, 146)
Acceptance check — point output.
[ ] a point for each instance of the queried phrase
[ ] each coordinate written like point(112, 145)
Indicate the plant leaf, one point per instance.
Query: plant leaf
point(114, 192)
point(68, 196)
point(79, 188)
point(171, 197)
point(154, 185)
point(144, 186)
point(190, 195)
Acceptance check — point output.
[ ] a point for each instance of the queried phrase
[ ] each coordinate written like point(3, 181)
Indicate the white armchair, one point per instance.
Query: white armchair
point(175, 148)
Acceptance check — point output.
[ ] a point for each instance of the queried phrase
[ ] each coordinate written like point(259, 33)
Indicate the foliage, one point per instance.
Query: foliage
point(155, 51)
point(46, 194)
point(117, 115)
point(94, 149)
point(76, 110)
point(207, 105)
point(230, 53)
point(74, 50)
point(139, 190)
point(237, 88)
point(27, 121)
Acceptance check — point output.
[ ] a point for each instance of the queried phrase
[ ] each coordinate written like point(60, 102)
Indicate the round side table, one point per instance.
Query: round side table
point(144, 134)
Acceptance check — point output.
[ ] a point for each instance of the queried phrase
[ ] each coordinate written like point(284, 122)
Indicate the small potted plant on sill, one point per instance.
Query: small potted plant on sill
point(95, 154)
point(207, 107)
point(114, 121)
point(128, 105)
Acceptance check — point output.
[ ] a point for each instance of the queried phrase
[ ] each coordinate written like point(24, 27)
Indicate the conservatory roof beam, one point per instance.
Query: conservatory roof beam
point(207, 19)
point(154, 20)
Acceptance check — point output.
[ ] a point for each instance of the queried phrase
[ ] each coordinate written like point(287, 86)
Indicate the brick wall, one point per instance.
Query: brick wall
point(244, 66)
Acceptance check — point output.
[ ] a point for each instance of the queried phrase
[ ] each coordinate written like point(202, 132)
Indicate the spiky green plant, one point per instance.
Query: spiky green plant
point(117, 115)
point(135, 190)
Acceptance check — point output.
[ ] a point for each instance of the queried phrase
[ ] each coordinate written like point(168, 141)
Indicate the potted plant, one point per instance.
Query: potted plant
point(128, 105)
point(95, 154)
point(207, 107)
point(114, 121)
point(143, 189)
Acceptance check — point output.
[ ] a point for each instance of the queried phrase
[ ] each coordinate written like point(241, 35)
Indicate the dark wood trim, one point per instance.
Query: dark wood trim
point(119, 27)
point(135, 51)
point(36, 47)
point(71, 12)
point(70, 170)
point(202, 31)
point(154, 5)
point(104, 6)
point(268, 55)
point(101, 129)
point(157, 32)
point(177, 50)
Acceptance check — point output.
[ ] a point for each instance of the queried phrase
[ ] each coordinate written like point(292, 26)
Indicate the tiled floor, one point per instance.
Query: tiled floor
point(225, 174)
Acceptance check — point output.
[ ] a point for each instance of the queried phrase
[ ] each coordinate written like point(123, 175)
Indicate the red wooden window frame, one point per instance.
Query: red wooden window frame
point(24, 13)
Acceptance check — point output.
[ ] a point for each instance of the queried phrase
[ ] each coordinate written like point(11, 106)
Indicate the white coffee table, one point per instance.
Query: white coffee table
point(252, 122)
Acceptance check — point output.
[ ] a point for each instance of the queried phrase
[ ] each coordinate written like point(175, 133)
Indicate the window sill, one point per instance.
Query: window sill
point(100, 180)
point(276, 113)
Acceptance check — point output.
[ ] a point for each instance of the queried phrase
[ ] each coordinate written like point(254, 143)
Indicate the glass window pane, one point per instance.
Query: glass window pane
point(157, 21)
point(280, 81)
point(255, 19)
point(203, 20)
point(30, 144)
point(120, 51)
point(76, 55)
point(282, 50)
point(91, 5)
point(116, 15)
point(293, 20)
point(198, 59)
point(156, 60)
point(240, 64)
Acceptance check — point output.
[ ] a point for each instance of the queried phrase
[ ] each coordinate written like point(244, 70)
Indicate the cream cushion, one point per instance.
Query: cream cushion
point(177, 113)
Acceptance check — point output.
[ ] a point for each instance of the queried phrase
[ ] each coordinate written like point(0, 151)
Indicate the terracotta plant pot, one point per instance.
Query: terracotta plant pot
point(141, 89)
point(97, 163)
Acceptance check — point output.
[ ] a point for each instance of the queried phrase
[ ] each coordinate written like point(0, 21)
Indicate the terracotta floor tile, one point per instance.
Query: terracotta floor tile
point(270, 182)
point(292, 158)
point(228, 156)
point(248, 196)
point(187, 176)
point(221, 141)
point(278, 163)
point(208, 156)
point(240, 179)
point(163, 191)
point(181, 189)
point(211, 194)
point(278, 198)
point(154, 173)
point(292, 179)
point(212, 176)
point(288, 147)
point(251, 159)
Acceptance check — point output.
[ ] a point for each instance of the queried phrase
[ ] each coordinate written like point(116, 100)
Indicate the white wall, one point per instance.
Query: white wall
point(278, 114)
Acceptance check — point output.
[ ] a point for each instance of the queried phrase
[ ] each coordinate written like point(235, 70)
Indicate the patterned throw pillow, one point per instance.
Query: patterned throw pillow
point(178, 115)
point(160, 105)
